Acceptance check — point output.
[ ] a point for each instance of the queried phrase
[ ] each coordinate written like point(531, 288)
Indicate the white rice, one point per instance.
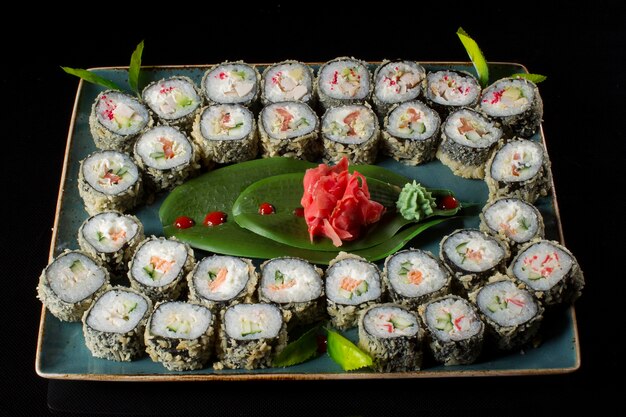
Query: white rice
point(288, 120)
point(172, 98)
point(290, 81)
point(399, 81)
point(100, 170)
point(473, 251)
point(344, 79)
point(117, 311)
point(180, 320)
point(433, 276)
point(483, 132)
point(253, 321)
point(401, 122)
point(158, 262)
point(451, 88)
point(517, 161)
point(231, 83)
point(358, 130)
point(74, 277)
point(108, 232)
point(289, 280)
point(506, 304)
point(352, 269)
point(514, 217)
point(507, 97)
point(121, 113)
point(153, 146)
point(542, 265)
point(387, 322)
point(237, 276)
point(226, 122)
point(463, 322)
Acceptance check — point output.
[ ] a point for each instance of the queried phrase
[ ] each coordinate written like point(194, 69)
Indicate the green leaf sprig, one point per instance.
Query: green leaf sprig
point(298, 351)
point(134, 68)
point(476, 55)
point(91, 77)
point(536, 78)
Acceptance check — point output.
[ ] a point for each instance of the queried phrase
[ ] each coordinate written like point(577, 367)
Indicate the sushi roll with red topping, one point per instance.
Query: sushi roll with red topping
point(397, 82)
point(175, 101)
point(343, 81)
point(287, 81)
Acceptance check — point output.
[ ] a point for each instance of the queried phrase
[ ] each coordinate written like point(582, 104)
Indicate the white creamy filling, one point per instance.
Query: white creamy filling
point(507, 97)
point(542, 266)
point(220, 278)
point(398, 81)
point(180, 320)
point(226, 122)
point(515, 218)
point(349, 124)
point(231, 83)
point(163, 147)
point(473, 251)
point(452, 319)
point(117, 311)
point(506, 304)
point(344, 80)
point(253, 321)
point(412, 120)
point(413, 274)
point(387, 322)
point(74, 277)
point(517, 161)
point(352, 282)
point(158, 262)
point(109, 232)
point(452, 89)
point(110, 172)
point(288, 82)
point(290, 281)
point(468, 128)
point(121, 114)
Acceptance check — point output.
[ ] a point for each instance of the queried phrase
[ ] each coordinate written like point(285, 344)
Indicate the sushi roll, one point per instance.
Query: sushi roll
point(231, 83)
point(180, 335)
point(343, 81)
point(250, 335)
point(175, 101)
point(116, 120)
point(109, 180)
point(289, 129)
point(287, 81)
point(159, 267)
point(467, 139)
point(512, 220)
point(397, 82)
point(411, 133)
point(549, 270)
point(114, 325)
point(415, 276)
point(166, 156)
point(512, 314)
point(296, 286)
point(218, 281)
point(351, 131)
point(111, 237)
point(70, 283)
point(392, 336)
point(226, 133)
point(519, 168)
point(473, 256)
point(352, 285)
point(516, 104)
point(449, 90)
point(455, 332)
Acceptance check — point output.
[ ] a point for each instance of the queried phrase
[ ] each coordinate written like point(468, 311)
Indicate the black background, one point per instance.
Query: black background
point(581, 51)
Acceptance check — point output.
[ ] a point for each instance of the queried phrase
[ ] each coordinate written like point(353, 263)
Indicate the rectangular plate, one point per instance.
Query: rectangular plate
point(61, 351)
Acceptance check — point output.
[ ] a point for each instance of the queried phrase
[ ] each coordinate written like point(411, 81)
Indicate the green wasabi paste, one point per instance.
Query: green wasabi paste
point(415, 202)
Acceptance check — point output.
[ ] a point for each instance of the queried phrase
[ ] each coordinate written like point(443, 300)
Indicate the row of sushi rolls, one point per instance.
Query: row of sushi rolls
point(490, 283)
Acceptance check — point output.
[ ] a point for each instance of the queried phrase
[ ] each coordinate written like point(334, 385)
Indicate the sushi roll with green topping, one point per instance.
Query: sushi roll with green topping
point(159, 267)
point(296, 286)
point(455, 331)
point(343, 81)
point(467, 140)
point(116, 120)
point(250, 335)
point(287, 81)
point(289, 129)
point(231, 83)
point(519, 168)
point(111, 237)
point(396, 82)
point(226, 133)
point(549, 270)
point(114, 325)
point(411, 133)
point(516, 104)
point(449, 90)
point(180, 335)
point(70, 283)
point(392, 336)
point(175, 101)
point(109, 180)
point(351, 131)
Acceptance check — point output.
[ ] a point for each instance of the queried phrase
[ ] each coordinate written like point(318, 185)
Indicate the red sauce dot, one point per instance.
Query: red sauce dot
point(299, 212)
point(215, 218)
point(266, 208)
point(184, 222)
point(447, 203)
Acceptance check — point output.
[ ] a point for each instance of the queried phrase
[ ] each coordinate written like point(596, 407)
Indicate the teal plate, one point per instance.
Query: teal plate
point(61, 351)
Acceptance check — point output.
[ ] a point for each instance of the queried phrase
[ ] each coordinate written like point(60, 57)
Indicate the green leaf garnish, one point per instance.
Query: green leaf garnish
point(134, 68)
point(346, 353)
point(476, 55)
point(536, 78)
point(298, 351)
point(91, 77)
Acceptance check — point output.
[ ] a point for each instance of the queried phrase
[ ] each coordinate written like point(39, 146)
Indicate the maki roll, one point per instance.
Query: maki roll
point(70, 283)
point(287, 81)
point(473, 256)
point(468, 138)
point(512, 220)
point(180, 335)
point(109, 180)
point(166, 156)
point(159, 267)
point(397, 82)
point(116, 120)
point(250, 335)
point(226, 133)
point(175, 101)
point(511, 313)
point(516, 104)
point(411, 133)
point(351, 131)
point(217, 281)
point(111, 237)
point(415, 276)
point(343, 81)
point(455, 331)
point(352, 285)
point(296, 286)
point(289, 129)
point(449, 90)
point(392, 336)
point(114, 325)
point(519, 168)
point(231, 83)
point(549, 270)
